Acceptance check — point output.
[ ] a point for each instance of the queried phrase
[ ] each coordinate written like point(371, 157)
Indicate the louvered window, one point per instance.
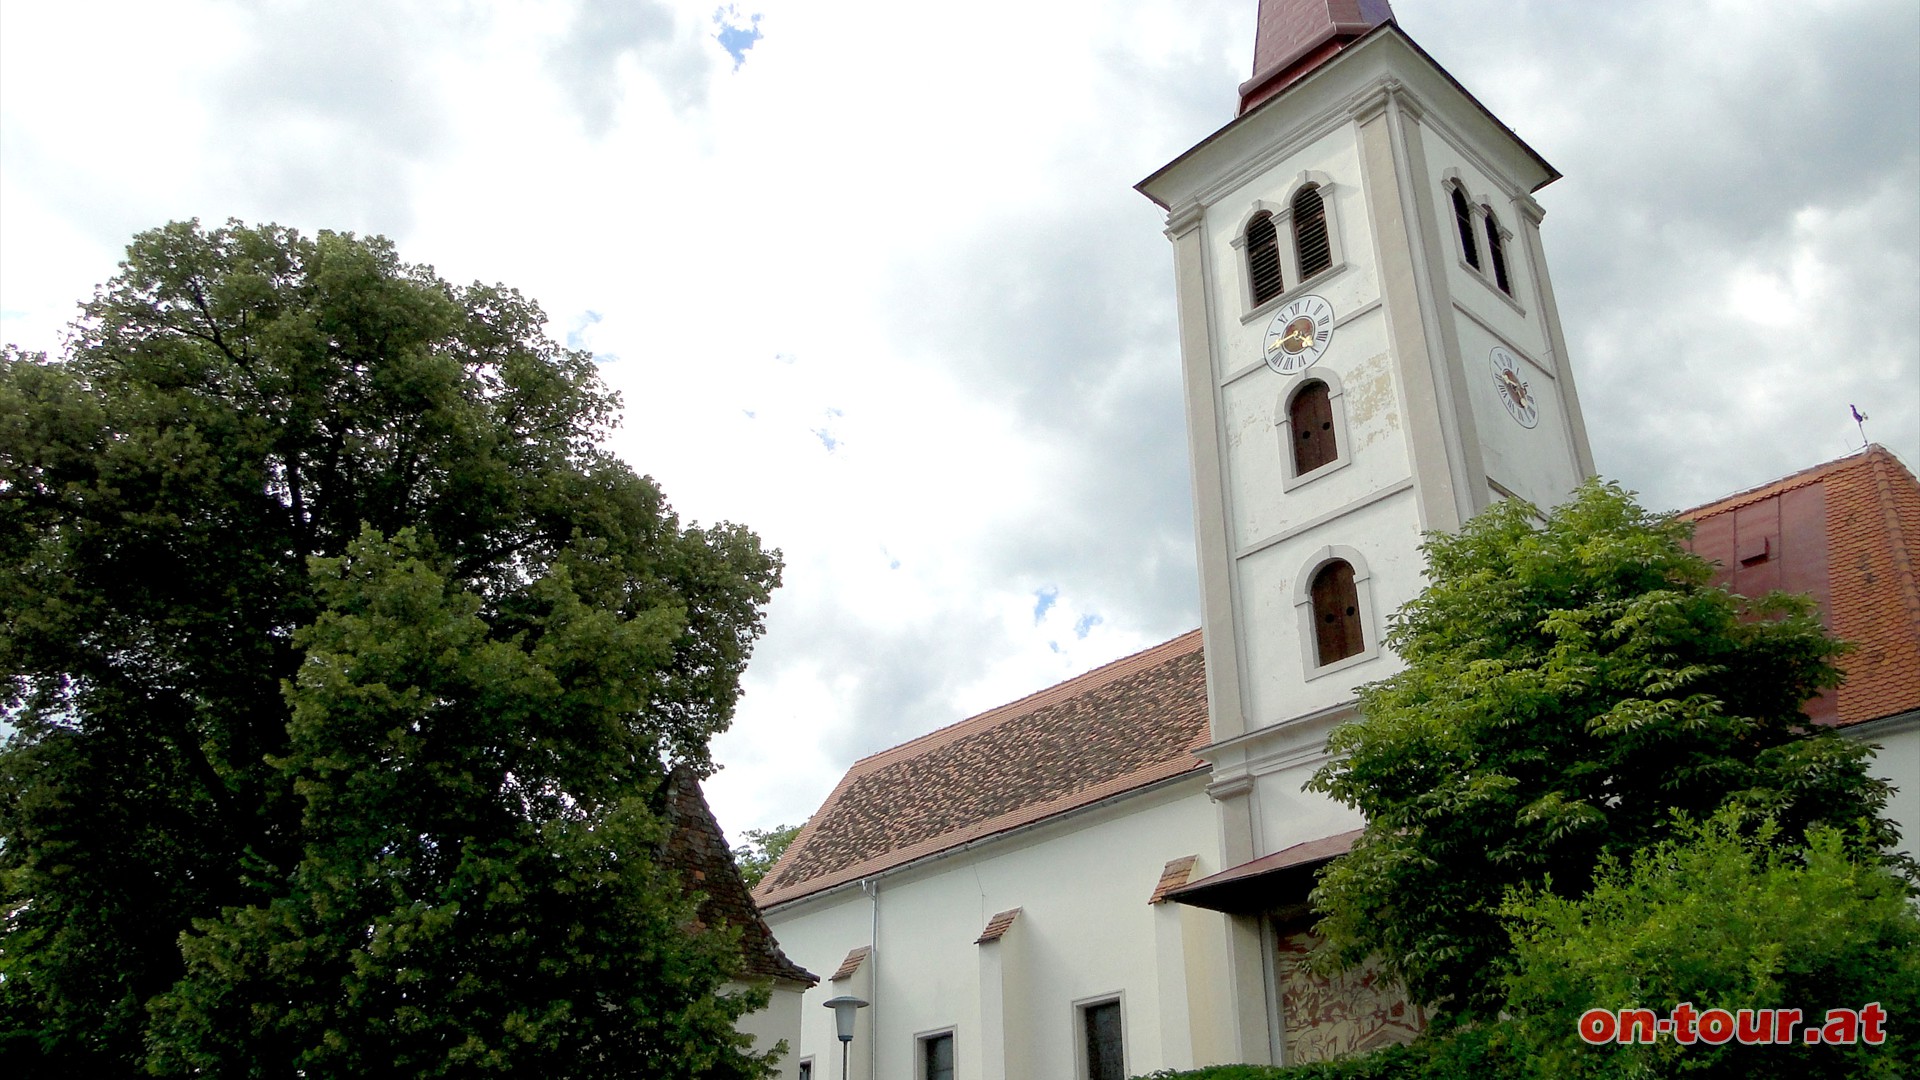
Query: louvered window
point(1497, 253)
point(1336, 613)
point(1310, 232)
point(1311, 420)
point(1463, 217)
point(1263, 258)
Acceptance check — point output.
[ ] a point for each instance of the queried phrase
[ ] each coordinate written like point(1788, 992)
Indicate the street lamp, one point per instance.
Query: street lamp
point(843, 1008)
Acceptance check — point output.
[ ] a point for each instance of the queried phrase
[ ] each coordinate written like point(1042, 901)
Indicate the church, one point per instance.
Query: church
point(1109, 876)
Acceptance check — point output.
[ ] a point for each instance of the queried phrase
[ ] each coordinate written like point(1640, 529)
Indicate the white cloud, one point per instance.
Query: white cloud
point(912, 228)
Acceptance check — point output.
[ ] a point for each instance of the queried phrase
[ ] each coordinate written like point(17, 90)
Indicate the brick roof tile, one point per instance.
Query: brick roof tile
point(855, 957)
point(997, 927)
point(1172, 876)
point(1109, 731)
point(697, 848)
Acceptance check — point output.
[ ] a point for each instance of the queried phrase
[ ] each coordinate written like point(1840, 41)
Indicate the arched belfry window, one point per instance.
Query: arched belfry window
point(1310, 416)
point(1310, 246)
point(1336, 613)
point(1497, 252)
point(1263, 258)
point(1463, 217)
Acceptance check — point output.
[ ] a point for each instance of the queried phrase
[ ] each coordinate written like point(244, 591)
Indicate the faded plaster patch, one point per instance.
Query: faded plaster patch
point(1370, 400)
point(1252, 419)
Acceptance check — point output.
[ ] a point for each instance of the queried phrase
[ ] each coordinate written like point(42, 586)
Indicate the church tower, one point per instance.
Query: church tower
point(1370, 351)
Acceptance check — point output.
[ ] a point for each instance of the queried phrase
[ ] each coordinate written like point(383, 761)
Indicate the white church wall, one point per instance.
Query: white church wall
point(1535, 463)
point(1898, 762)
point(1274, 640)
point(1260, 462)
point(1085, 932)
point(779, 1020)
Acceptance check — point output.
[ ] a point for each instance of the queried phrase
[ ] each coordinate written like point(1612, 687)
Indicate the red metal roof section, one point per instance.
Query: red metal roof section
point(1292, 37)
point(1845, 532)
point(1112, 730)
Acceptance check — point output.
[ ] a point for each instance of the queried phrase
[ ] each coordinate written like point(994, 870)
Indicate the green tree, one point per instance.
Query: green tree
point(344, 664)
point(1719, 920)
point(1569, 684)
point(762, 850)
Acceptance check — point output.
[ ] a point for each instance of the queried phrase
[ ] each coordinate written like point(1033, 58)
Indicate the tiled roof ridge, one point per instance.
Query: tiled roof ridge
point(1899, 543)
point(1873, 518)
point(1085, 682)
point(1810, 475)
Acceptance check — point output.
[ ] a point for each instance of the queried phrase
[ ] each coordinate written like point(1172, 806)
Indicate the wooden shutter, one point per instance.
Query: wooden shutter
point(1463, 217)
point(1263, 258)
point(1310, 417)
point(1336, 613)
point(1310, 232)
point(1497, 253)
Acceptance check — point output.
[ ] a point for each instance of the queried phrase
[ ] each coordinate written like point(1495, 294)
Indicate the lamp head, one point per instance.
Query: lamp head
point(843, 1009)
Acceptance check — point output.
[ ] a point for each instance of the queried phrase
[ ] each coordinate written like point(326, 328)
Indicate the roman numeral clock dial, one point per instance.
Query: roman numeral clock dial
point(1512, 389)
point(1299, 334)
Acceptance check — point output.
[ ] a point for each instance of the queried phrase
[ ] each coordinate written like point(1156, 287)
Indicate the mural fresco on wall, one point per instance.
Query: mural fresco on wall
point(1324, 1016)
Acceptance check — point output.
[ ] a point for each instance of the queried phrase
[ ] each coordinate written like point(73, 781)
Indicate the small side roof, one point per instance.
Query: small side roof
point(1115, 729)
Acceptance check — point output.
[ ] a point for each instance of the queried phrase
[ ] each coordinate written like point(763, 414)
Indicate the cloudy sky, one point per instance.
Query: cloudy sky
point(873, 279)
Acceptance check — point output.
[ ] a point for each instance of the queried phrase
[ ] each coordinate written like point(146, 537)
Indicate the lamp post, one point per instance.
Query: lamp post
point(843, 1008)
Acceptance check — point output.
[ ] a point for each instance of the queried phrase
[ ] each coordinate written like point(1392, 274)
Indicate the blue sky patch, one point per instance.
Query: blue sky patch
point(1085, 625)
point(826, 439)
point(577, 333)
point(1044, 599)
point(737, 32)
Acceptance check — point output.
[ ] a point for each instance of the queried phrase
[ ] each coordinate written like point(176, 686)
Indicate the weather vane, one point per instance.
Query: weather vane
point(1860, 420)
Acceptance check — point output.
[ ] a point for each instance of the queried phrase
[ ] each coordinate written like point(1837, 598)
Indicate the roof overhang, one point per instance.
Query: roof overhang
point(1347, 54)
point(1277, 880)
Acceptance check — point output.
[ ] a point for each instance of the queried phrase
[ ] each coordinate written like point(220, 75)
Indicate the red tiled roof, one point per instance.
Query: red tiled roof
point(855, 957)
point(697, 848)
point(997, 927)
point(1109, 731)
point(1845, 531)
point(1859, 562)
point(1172, 876)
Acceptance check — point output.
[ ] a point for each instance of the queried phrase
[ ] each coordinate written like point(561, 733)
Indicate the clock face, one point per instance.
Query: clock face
point(1299, 333)
point(1512, 389)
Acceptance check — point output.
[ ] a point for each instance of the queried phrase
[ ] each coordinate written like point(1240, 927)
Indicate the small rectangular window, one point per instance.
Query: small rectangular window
point(1106, 1051)
point(806, 1070)
point(936, 1057)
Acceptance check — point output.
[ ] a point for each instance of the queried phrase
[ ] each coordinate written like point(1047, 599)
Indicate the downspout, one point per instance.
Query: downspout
point(872, 889)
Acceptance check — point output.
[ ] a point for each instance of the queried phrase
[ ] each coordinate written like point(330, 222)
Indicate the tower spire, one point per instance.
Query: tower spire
point(1295, 36)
